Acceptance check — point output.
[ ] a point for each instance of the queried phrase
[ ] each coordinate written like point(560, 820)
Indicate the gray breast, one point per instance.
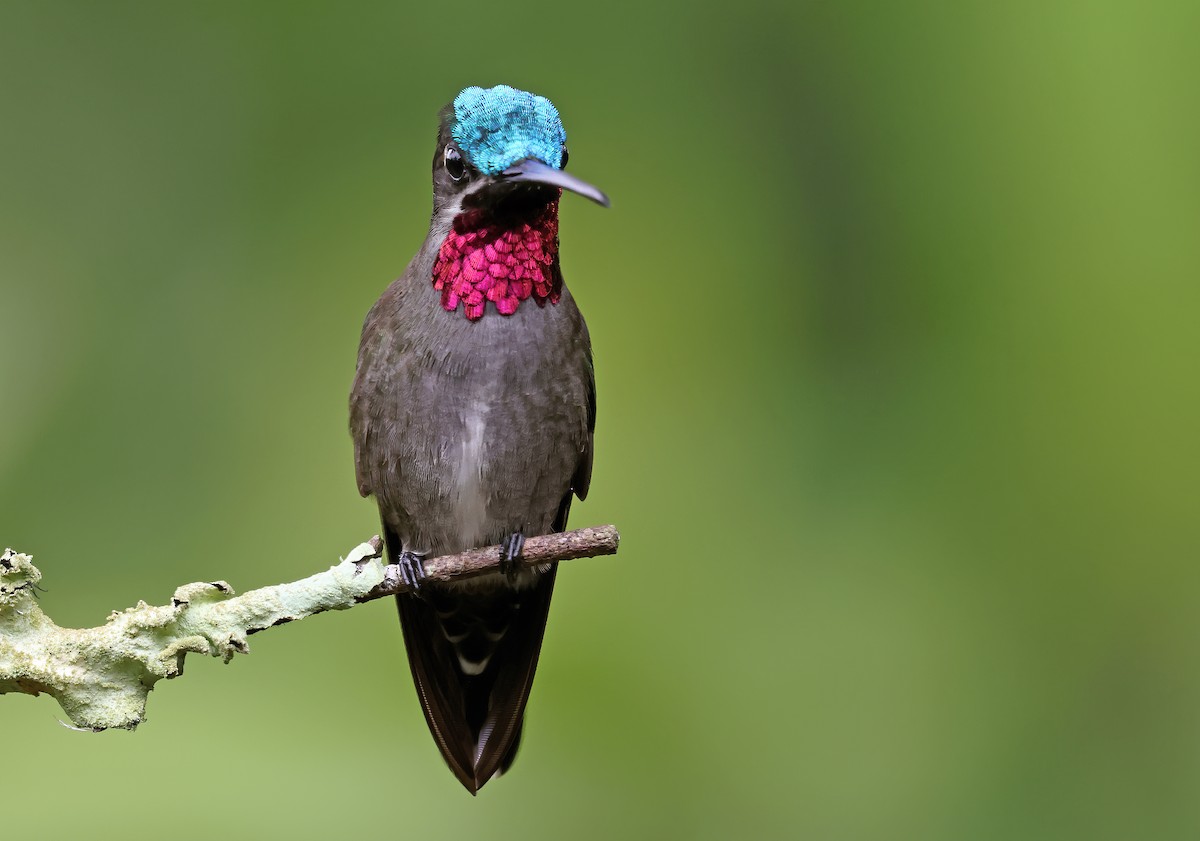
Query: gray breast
point(474, 428)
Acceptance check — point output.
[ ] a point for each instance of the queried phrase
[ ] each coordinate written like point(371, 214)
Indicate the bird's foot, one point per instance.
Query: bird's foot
point(412, 570)
point(510, 555)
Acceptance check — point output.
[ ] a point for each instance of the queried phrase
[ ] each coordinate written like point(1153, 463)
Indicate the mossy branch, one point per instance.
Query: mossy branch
point(102, 676)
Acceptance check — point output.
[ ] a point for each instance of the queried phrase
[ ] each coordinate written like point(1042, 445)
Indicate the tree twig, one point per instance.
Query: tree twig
point(101, 676)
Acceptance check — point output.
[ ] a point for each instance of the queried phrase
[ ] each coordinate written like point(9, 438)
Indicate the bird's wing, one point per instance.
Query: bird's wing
point(364, 489)
point(364, 396)
point(582, 477)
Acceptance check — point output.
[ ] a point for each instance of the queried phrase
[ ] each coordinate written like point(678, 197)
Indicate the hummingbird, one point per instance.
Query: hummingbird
point(473, 413)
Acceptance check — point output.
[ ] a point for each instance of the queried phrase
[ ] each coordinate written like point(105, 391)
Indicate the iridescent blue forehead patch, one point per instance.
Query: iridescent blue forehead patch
point(496, 127)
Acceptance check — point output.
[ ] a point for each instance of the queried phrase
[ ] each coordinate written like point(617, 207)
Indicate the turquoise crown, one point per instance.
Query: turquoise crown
point(496, 127)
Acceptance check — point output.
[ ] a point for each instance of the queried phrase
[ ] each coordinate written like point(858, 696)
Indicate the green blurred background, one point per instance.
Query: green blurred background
point(895, 324)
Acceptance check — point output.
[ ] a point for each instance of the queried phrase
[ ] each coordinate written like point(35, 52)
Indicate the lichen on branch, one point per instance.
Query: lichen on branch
point(101, 676)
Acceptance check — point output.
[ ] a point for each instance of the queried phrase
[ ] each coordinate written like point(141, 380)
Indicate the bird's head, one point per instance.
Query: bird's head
point(502, 149)
point(497, 178)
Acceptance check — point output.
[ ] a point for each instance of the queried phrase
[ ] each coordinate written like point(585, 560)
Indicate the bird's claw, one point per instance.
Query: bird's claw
point(412, 570)
point(510, 555)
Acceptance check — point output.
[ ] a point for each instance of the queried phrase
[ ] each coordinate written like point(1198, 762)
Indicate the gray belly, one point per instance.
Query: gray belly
point(483, 470)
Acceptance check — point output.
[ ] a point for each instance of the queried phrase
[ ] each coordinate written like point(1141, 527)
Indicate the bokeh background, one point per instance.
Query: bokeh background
point(895, 323)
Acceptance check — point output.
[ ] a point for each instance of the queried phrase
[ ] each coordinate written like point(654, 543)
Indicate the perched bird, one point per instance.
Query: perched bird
point(472, 413)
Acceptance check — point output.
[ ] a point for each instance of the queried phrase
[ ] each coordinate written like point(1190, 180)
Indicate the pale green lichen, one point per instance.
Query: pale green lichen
point(102, 676)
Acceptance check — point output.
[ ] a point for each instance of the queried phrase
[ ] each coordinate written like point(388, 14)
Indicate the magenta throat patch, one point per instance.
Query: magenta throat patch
point(505, 263)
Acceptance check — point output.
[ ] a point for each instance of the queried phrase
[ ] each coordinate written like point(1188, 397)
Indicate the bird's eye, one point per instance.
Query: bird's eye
point(454, 164)
point(563, 165)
